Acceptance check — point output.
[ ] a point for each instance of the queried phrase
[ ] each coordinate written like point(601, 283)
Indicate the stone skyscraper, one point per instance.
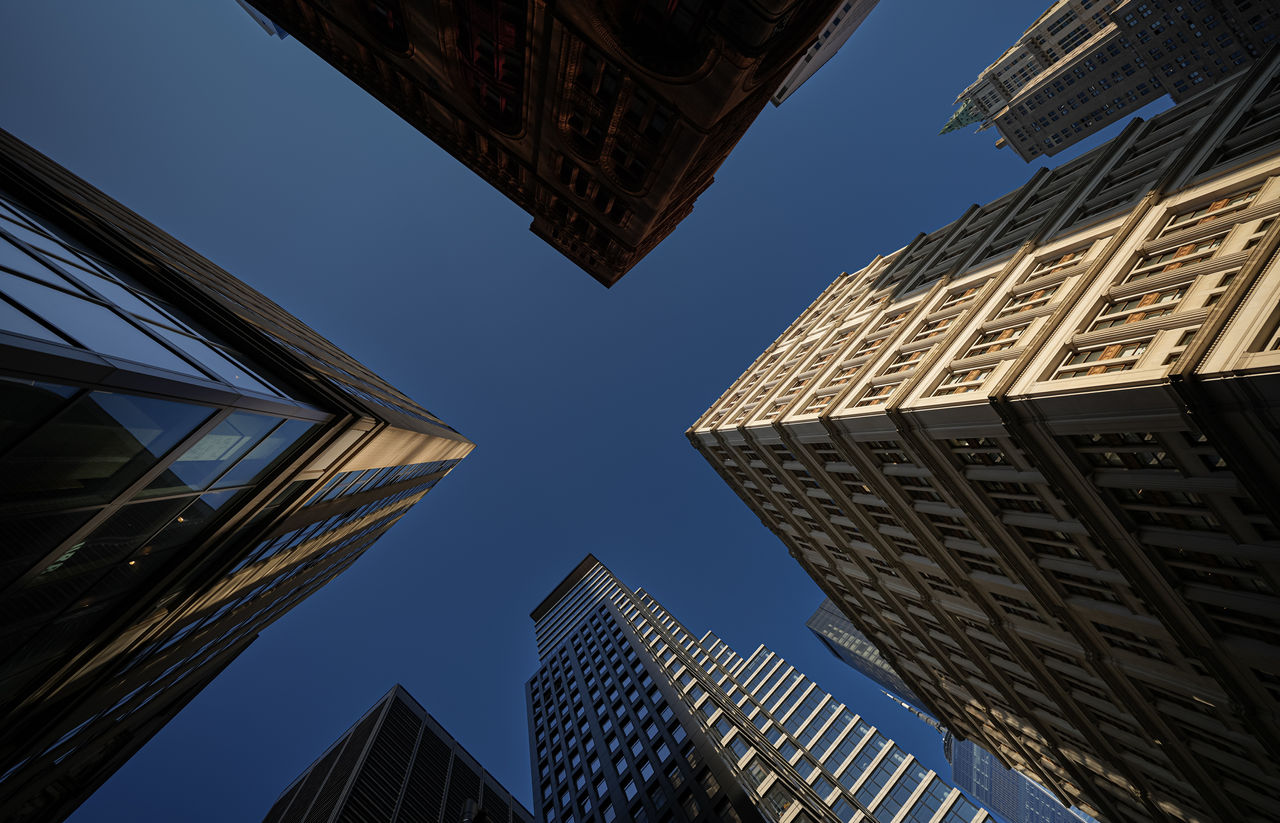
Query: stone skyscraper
point(605, 120)
point(396, 764)
point(1085, 64)
point(632, 718)
point(1034, 456)
point(181, 462)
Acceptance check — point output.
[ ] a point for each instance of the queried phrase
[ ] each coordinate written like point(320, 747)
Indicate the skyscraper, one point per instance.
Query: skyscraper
point(843, 639)
point(396, 763)
point(604, 120)
point(632, 718)
point(835, 34)
point(1033, 455)
point(181, 462)
point(1013, 795)
point(1085, 64)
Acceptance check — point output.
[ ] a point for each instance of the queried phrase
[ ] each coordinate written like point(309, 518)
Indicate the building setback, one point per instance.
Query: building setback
point(1033, 456)
point(634, 719)
point(396, 763)
point(1085, 64)
point(181, 462)
point(603, 120)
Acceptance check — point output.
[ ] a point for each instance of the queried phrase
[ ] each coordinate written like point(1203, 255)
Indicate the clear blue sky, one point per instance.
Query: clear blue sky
point(262, 157)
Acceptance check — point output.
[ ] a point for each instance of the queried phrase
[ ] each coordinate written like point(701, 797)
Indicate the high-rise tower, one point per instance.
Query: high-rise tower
point(397, 764)
point(849, 15)
point(1034, 456)
point(1085, 64)
point(634, 719)
point(181, 462)
point(604, 120)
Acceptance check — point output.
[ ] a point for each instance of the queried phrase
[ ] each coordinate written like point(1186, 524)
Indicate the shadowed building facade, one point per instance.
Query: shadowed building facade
point(1033, 456)
point(181, 462)
point(603, 119)
point(1085, 64)
point(396, 763)
point(632, 718)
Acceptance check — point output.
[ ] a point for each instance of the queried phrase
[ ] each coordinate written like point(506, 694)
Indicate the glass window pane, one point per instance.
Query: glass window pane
point(25, 404)
point(125, 299)
point(188, 525)
point(201, 464)
point(215, 361)
point(95, 326)
point(97, 447)
point(28, 539)
point(265, 454)
point(17, 322)
point(15, 258)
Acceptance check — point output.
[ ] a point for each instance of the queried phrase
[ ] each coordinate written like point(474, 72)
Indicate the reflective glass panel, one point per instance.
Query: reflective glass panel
point(25, 404)
point(27, 540)
point(215, 361)
point(15, 258)
point(12, 320)
point(263, 455)
point(96, 327)
point(201, 464)
point(95, 449)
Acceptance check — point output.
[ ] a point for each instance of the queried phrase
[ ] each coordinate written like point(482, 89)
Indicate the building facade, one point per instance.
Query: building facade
point(605, 120)
point(396, 763)
point(181, 462)
point(1033, 456)
point(835, 34)
point(1085, 64)
point(634, 719)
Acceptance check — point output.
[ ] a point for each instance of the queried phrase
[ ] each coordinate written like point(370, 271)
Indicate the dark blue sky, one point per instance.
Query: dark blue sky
point(262, 157)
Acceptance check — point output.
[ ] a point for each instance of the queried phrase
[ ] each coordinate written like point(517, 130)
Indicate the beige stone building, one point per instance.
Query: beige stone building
point(1085, 64)
point(1034, 456)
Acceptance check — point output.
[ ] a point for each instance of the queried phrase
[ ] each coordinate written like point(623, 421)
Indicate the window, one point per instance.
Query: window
point(960, 382)
point(1207, 214)
point(1147, 306)
point(1161, 262)
point(1027, 301)
point(1101, 359)
point(995, 341)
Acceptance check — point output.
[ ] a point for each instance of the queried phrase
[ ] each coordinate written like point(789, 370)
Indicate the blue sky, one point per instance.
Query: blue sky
point(262, 157)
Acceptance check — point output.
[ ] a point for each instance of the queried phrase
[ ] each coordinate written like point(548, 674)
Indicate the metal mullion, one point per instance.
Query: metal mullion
point(110, 509)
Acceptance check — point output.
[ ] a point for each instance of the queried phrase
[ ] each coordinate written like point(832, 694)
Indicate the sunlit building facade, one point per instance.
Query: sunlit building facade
point(1033, 456)
point(634, 719)
point(397, 764)
point(604, 120)
point(1085, 64)
point(181, 462)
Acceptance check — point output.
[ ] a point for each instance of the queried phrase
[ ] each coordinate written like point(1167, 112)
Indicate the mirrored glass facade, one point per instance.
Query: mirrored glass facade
point(173, 477)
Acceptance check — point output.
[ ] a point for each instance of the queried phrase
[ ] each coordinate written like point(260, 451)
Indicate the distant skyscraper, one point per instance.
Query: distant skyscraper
point(396, 764)
point(1033, 456)
point(833, 35)
point(634, 719)
point(181, 462)
point(604, 120)
point(1013, 795)
point(842, 638)
point(1016, 797)
point(1085, 64)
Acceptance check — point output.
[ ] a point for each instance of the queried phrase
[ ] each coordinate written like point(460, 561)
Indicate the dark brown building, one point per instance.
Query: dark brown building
point(604, 120)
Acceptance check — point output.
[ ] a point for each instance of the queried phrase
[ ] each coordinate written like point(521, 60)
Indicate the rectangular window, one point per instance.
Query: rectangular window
point(1147, 306)
point(1026, 302)
point(1153, 264)
point(994, 341)
point(1207, 214)
point(1101, 359)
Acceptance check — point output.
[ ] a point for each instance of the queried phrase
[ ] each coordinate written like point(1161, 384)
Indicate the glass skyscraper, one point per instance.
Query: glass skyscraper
point(181, 462)
point(843, 639)
point(633, 718)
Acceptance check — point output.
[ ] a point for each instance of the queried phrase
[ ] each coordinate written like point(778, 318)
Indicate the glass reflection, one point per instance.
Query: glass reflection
point(201, 464)
point(279, 442)
point(95, 449)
